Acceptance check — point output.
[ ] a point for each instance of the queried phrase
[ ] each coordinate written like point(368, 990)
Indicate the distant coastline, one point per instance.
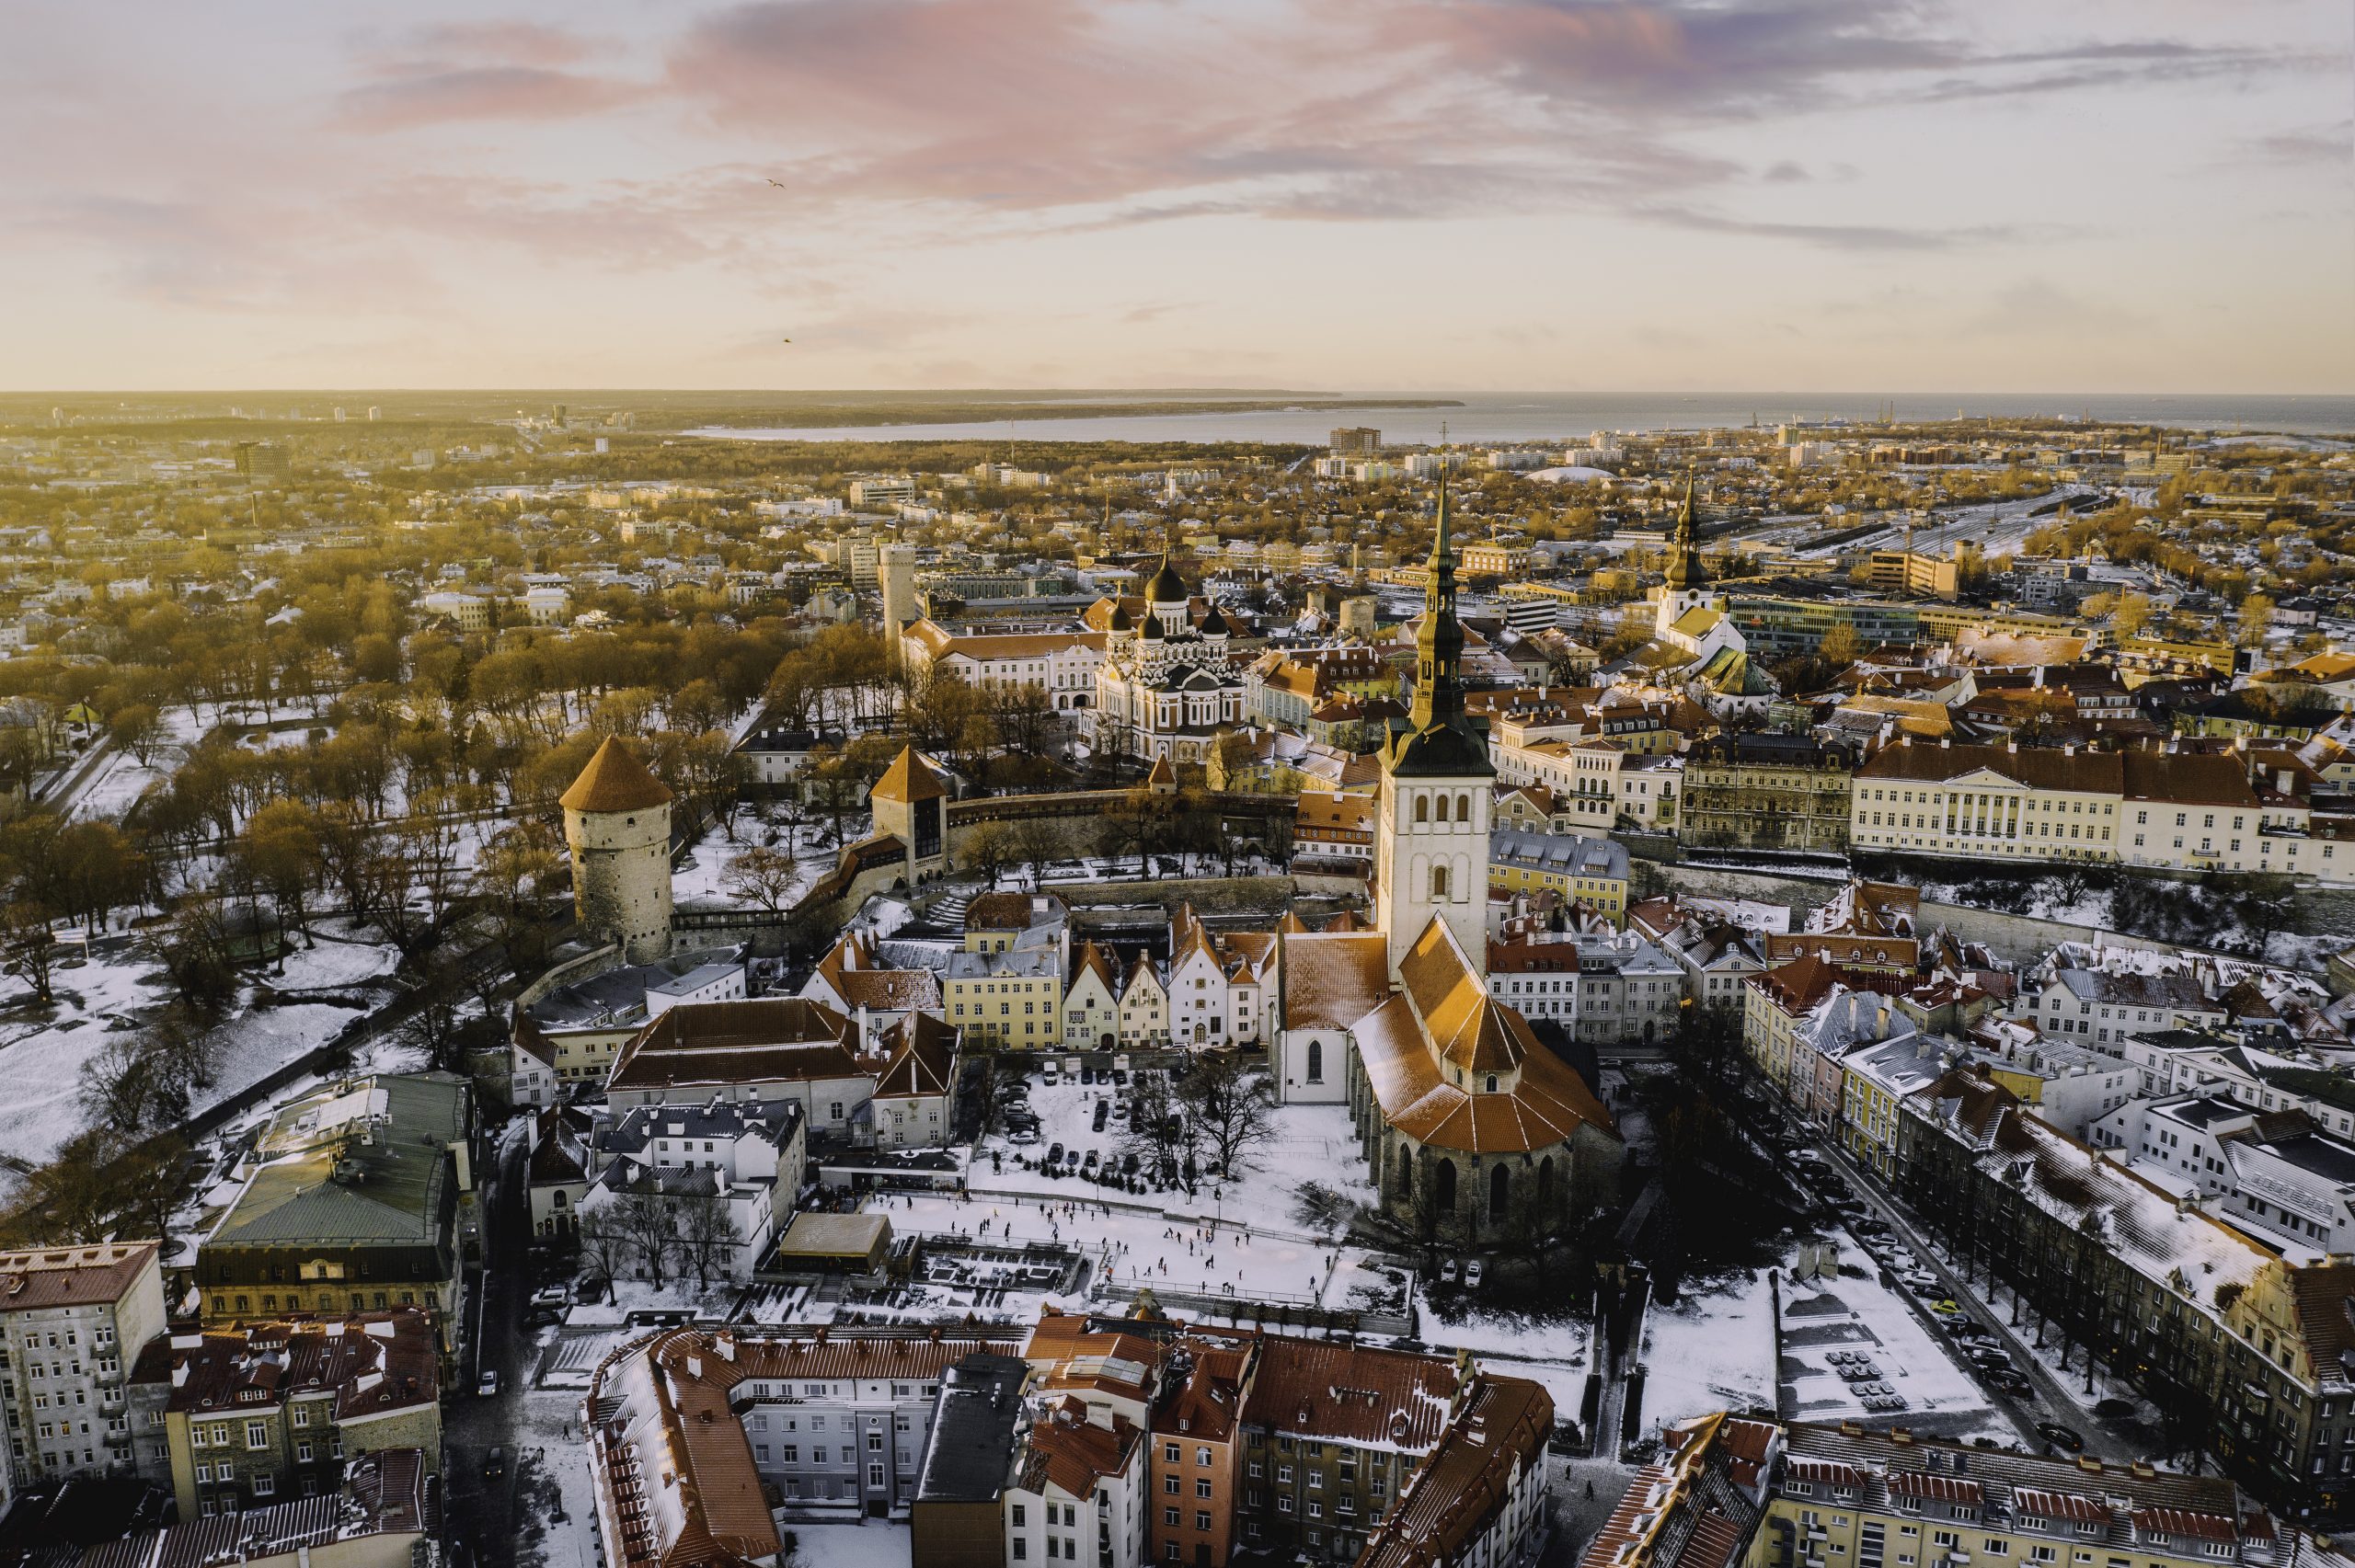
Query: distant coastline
point(1489, 418)
point(822, 416)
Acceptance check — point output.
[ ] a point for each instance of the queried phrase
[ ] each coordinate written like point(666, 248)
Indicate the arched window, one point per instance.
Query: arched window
point(1463, 809)
point(1443, 1188)
point(1492, 1084)
point(1500, 1191)
point(1316, 1061)
point(1422, 809)
point(1439, 882)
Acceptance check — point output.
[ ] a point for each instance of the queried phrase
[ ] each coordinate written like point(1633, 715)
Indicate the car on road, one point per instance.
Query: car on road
point(1103, 1114)
point(489, 1387)
point(2065, 1438)
point(494, 1464)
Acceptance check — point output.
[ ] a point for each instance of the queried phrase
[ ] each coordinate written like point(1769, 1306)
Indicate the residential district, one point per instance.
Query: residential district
point(587, 990)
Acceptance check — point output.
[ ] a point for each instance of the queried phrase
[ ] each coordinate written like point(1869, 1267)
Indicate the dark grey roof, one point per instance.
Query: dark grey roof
point(638, 1127)
point(976, 1427)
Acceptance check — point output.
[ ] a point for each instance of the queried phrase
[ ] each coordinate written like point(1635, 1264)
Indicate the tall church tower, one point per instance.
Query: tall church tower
point(1431, 830)
point(1688, 577)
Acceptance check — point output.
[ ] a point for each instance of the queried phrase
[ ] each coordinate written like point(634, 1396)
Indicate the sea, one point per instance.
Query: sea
point(1509, 417)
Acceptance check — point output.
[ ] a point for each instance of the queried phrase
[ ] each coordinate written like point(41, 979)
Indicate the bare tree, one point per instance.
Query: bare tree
point(651, 1226)
point(706, 1234)
point(29, 946)
point(762, 876)
point(1231, 1109)
point(604, 1239)
point(1160, 1132)
point(1036, 842)
point(988, 848)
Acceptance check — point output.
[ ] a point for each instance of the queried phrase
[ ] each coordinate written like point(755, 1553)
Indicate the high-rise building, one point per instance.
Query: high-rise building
point(1357, 440)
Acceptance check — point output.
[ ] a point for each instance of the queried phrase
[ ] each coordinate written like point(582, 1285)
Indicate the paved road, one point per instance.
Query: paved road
point(2059, 1404)
point(482, 1509)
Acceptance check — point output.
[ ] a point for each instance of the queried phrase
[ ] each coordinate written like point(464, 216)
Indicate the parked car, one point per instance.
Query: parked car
point(1121, 1077)
point(1473, 1271)
point(1055, 1153)
point(1089, 1163)
point(1922, 1282)
point(1447, 1271)
point(489, 1387)
point(1129, 1164)
point(2011, 1382)
point(1023, 1135)
point(2065, 1438)
point(1050, 1077)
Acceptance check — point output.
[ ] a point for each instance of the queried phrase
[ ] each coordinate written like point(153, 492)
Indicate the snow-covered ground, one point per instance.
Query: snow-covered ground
point(1861, 1317)
point(119, 986)
point(337, 960)
point(1714, 1349)
point(869, 1544)
point(701, 876)
point(1129, 1243)
point(1310, 1144)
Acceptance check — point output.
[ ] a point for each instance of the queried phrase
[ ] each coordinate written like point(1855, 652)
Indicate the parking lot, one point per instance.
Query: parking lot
point(2043, 1414)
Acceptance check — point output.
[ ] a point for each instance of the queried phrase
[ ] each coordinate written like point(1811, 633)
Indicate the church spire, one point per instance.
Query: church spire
point(1684, 568)
point(1439, 642)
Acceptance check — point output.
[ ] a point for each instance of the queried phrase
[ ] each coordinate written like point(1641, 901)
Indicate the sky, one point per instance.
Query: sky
point(1571, 195)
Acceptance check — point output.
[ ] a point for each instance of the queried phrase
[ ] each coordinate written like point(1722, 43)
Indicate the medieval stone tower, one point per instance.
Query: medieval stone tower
point(618, 822)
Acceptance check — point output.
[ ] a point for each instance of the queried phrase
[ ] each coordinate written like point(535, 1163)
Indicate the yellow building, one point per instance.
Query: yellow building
point(266, 1411)
point(1592, 872)
point(1010, 1000)
point(1843, 1495)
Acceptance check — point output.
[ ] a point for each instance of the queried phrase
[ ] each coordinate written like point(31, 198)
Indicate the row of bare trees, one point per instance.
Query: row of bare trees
point(644, 1234)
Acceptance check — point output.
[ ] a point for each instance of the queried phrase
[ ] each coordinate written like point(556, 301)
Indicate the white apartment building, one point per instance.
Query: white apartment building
point(72, 1321)
point(1601, 987)
point(1083, 1488)
point(2103, 1009)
